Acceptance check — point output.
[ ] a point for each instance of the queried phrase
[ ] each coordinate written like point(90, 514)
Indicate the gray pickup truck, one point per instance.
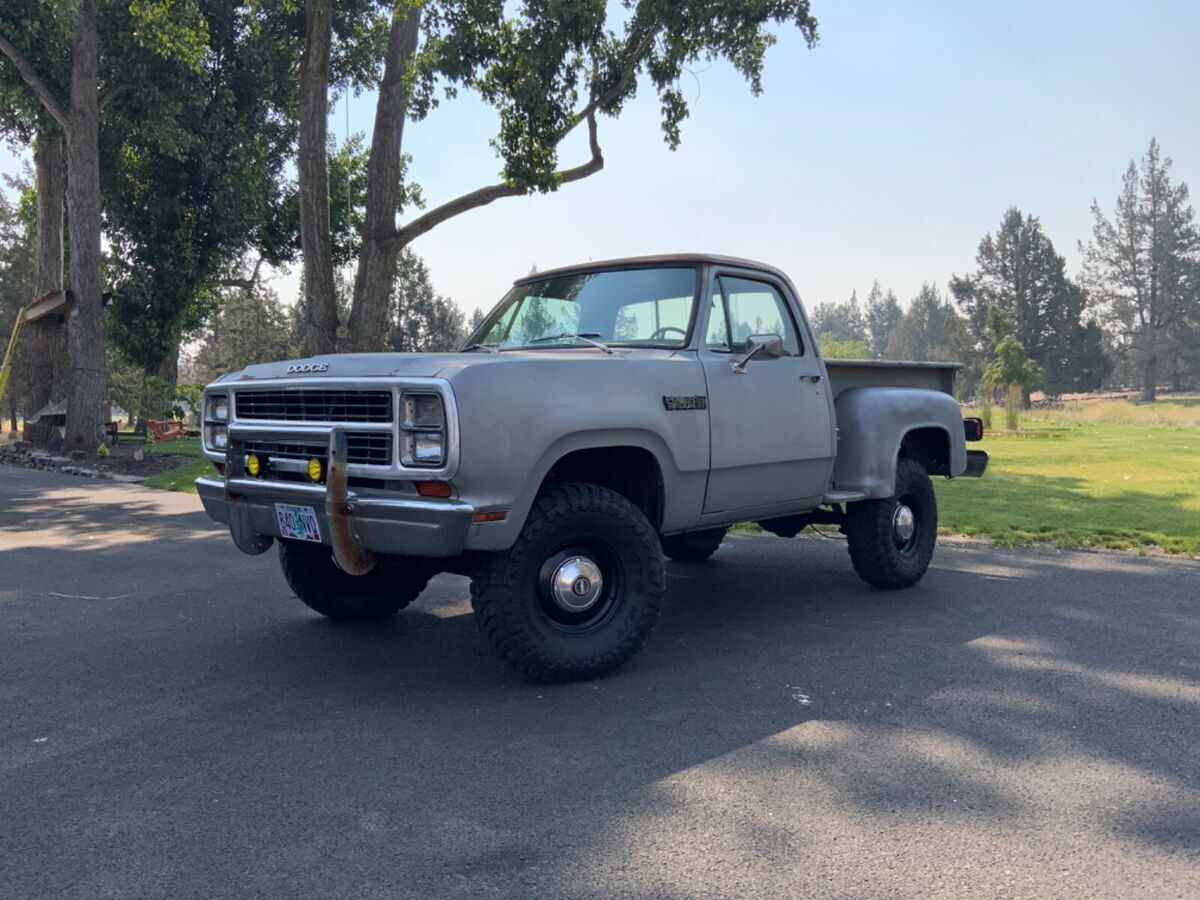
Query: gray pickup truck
point(602, 416)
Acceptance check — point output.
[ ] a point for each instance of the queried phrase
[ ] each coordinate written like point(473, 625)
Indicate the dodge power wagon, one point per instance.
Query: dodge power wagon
point(602, 416)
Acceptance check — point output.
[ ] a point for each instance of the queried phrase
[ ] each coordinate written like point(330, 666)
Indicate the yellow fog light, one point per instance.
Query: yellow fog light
point(252, 465)
point(314, 469)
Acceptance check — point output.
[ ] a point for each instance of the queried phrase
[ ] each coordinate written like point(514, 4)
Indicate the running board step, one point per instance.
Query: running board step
point(843, 497)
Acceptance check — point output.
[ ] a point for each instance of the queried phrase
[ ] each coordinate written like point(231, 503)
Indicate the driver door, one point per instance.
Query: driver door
point(771, 430)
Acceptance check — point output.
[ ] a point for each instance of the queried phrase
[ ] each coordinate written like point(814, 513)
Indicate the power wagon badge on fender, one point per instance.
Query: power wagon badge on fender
point(675, 403)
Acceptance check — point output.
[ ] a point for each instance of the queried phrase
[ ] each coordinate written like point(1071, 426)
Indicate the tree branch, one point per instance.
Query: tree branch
point(245, 284)
point(34, 81)
point(491, 193)
point(107, 95)
point(404, 235)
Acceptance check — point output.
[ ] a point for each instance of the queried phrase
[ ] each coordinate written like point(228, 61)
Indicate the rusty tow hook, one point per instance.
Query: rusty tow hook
point(345, 531)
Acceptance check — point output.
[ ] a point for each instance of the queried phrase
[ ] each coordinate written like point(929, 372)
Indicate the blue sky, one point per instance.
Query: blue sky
point(885, 153)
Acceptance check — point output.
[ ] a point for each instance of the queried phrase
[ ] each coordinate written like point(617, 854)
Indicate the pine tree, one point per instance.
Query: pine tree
point(421, 318)
point(1141, 266)
point(883, 314)
point(252, 327)
point(840, 321)
point(1020, 274)
point(925, 330)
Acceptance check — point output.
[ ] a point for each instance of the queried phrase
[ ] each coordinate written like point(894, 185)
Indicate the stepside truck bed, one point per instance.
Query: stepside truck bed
point(845, 374)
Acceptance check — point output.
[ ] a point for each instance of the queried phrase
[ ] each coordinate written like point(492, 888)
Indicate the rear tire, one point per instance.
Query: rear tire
point(888, 548)
point(693, 546)
point(323, 587)
point(579, 591)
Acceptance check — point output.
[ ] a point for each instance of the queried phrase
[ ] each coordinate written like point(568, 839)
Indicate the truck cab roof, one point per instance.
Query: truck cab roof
point(665, 259)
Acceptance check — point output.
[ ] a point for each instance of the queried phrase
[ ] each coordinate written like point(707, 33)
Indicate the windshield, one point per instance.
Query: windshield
point(637, 307)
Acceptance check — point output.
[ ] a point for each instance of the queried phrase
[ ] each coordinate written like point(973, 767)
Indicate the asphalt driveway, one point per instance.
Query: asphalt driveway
point(174, 723)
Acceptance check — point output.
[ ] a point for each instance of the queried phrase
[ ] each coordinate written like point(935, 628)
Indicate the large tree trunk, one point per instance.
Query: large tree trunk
point(1150, 378)
point(168, 367)
point(85, 332)
point(46, 354)
point(376, 271)
point(320, 301)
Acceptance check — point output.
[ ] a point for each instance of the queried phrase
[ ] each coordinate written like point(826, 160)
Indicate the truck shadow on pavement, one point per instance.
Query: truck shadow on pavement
point(783, 720)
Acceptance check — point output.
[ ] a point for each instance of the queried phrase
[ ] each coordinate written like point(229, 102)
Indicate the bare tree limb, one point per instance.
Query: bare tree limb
point(485, 195)
point(35, 83)
point(632, 61)
point(494, 192)
point(245, 284)
point(107, 95)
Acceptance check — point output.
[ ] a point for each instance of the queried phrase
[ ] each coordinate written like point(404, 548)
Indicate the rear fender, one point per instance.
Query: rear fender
point(872, 425)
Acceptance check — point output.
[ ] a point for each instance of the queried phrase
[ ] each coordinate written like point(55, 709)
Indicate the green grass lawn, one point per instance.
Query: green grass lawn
point(180, 479)
point(181, 447)
point(1087, 484)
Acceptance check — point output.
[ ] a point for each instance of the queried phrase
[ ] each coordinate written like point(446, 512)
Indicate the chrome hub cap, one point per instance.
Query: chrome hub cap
point(576, 584)
point(904, 523)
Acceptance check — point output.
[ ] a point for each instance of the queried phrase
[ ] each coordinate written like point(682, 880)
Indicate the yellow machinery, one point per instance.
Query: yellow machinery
point(6, 366)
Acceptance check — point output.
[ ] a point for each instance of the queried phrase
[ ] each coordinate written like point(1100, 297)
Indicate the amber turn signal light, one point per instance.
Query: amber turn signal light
point(439, 489)
point(490, 515)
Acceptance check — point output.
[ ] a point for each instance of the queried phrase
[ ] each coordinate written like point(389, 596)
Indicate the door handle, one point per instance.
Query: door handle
point(815, 379)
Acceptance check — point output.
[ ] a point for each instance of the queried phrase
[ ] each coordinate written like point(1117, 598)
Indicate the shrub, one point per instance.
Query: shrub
point(1012, 407)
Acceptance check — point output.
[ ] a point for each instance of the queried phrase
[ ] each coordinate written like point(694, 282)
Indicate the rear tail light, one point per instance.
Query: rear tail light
point(973, 429)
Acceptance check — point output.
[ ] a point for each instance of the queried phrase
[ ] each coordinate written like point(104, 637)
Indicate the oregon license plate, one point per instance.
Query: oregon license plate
point(299, 522)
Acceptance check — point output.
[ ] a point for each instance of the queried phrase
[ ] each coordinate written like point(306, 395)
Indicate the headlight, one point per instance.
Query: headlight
point(423, 427)
point(216, 408)
point(423, 411)
point(216, 437)
point(424, 448)
point(216, 418)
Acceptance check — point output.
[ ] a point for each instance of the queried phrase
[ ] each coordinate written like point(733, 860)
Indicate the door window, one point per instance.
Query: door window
point(755, 307)
point(718, 324)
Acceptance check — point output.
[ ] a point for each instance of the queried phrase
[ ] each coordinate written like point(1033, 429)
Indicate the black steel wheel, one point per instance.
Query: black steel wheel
point(579, 591)
point(323, 587)
point(891, 541)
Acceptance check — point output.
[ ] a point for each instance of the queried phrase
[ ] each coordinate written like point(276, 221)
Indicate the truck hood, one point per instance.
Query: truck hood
point(356, 365)
point(425, 365)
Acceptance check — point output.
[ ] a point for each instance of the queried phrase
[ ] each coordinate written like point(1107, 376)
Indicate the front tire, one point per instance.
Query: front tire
point(323, 587)
point(891, 541)
point(579, 591)
point(693, 546)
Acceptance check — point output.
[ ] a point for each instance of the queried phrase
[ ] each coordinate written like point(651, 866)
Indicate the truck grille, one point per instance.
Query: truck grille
point(314, 405)
point(364, 448)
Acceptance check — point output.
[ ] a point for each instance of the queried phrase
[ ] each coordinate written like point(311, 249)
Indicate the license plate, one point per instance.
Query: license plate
point(299, 522)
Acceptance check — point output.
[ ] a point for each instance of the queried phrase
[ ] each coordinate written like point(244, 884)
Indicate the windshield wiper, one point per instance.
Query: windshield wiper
point(585, 337)
point(490, 348)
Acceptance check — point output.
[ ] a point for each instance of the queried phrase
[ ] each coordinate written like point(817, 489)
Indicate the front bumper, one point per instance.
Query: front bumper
point(390, 525)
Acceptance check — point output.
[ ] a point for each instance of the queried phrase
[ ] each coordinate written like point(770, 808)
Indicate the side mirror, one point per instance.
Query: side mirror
point(766, 345)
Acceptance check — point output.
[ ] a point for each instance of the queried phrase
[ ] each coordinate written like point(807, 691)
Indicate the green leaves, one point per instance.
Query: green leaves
point(543, 62)
point(1010, 364)
point(171, 28)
